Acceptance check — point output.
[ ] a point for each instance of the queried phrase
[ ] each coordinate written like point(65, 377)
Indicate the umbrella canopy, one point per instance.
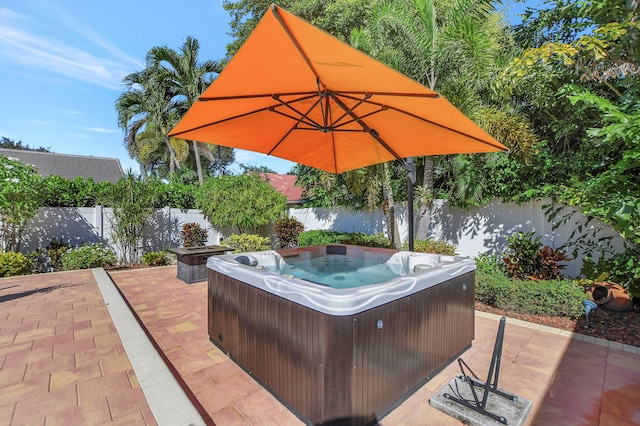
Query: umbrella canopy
point(295, 92)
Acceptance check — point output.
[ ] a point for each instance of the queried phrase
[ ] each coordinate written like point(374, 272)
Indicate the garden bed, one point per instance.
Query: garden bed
point(621, 327)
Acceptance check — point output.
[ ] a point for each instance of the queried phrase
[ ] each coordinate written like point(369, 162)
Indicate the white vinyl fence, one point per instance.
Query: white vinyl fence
point(477, 230)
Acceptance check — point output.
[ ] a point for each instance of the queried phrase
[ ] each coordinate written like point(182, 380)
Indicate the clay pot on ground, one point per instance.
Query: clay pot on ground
point(610, 296)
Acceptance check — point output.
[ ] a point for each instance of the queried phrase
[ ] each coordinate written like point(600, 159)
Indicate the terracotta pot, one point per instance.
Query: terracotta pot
point(610, 296)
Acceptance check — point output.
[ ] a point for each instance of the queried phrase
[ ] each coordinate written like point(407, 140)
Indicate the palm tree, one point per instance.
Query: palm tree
point(146, 112)
point(453, 48)
point(186, 77)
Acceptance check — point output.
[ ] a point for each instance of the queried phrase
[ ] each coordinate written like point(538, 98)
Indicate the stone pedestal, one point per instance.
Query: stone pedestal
point(192, 261)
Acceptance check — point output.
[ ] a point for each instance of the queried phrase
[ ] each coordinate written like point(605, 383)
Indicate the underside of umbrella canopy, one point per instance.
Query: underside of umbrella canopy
point(296, 92)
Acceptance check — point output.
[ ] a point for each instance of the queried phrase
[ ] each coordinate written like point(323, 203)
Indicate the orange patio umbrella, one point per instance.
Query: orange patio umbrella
point(295, 92)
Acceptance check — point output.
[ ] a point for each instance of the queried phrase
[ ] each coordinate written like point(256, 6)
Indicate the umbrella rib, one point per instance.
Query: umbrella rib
point(260, 95)
point(338, 126)
point(374, 134)
point(281, 140)
point(297, 45)
point(400, 94)
point(335, 124)
point(219, 121)
point(302, 117)
point(427, 121)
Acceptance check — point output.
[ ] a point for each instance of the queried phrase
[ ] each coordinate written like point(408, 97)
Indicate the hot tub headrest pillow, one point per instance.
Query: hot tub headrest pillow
point(247, 259)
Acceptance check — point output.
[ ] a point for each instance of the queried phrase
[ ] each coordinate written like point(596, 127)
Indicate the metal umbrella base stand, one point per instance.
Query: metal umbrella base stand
point(475, 397)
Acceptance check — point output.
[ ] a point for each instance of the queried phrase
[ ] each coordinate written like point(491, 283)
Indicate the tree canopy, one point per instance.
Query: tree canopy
point(244, 202)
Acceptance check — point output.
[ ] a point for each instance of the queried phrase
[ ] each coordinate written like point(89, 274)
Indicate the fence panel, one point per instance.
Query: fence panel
point(476, 230)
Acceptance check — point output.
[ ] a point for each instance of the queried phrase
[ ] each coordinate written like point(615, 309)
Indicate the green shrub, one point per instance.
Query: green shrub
point(319, 237)
point(248, 242)
point(155, 258)
point(88, 256)
point(433, 246)
point(558, 297)
point(324, 237)
point(366, 240)
point(193, 235)
point(288, 230)
point(13, 263)
point(490, 264)
point(245, 202)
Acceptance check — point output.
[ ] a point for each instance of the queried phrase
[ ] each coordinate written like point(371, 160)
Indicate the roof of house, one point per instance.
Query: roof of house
point(69, 166)
point(285, 184)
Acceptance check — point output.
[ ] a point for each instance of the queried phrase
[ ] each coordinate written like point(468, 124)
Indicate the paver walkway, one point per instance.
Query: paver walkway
point(175, 315)
point(571, 380)
point(61, 359)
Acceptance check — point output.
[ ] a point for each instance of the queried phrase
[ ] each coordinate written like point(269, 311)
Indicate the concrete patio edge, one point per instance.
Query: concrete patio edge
point(167, 399)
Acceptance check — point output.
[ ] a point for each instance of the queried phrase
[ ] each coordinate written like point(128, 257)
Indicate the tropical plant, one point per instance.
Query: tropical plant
point(133, 204)
point(435, 247)
point(147, 111)
point(248, 242)
point(527, 259)
point(338, 17)
point(49, 259)
point(245, 202)
point(287, 230)
point(323, 237)
point(155, 258)
point(19, 200)
point(14, 263)
point(186, 78)
point(193, 235)
point(455, 48)
point(583, 57)
point(88, 256)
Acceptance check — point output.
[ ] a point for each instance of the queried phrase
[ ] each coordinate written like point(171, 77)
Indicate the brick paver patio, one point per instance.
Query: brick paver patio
point(62, 361)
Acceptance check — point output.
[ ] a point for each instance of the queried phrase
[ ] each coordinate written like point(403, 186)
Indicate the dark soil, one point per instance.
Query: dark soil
point(622, 327)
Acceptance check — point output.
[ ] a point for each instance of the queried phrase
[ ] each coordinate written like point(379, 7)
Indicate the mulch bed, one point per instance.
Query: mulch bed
point(622, 327)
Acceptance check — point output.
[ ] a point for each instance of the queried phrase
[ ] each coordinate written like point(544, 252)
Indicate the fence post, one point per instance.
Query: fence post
point(99, 222)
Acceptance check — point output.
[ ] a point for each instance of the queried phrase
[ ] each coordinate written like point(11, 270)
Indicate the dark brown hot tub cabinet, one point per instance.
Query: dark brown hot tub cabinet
point(352, 368)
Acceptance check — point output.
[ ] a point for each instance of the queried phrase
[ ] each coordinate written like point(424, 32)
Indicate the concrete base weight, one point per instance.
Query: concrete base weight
point(514, 413)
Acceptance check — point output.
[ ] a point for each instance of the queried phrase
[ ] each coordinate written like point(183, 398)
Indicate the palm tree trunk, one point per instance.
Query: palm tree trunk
point(196, 152)
point(424, 210)
point(389, 211)
point(172, 155)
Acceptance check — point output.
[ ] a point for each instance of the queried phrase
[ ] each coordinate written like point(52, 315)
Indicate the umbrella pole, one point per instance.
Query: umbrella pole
point(411, 179)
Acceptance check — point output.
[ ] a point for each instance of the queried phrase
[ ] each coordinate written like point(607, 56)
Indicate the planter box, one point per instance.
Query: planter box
point(192, 261)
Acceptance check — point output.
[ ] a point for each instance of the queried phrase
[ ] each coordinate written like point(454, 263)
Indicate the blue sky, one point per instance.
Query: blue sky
point(62, 64)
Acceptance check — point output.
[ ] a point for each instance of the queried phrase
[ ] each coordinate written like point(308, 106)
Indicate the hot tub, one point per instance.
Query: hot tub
point(339, 349)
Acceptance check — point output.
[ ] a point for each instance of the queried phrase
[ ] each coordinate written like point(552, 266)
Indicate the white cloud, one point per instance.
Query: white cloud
point(20, 45)
point(101, 130)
